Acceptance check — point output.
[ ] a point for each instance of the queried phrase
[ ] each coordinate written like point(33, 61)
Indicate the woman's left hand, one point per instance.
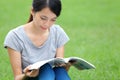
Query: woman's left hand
point(31, 73)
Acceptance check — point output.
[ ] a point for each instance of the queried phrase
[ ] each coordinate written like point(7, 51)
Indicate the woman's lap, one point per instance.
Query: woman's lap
point(49, 73)
point(61, 74)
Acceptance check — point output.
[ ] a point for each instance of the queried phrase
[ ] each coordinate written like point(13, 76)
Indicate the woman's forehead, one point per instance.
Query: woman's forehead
point(47, 12)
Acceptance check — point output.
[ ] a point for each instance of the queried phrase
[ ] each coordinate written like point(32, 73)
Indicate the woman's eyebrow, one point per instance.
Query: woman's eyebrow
point(43, 16)
point(54, 18)
point(48, 17)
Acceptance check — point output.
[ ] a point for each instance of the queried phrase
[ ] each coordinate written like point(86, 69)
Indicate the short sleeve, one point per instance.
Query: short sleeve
point(12, 41)
point(62, 37)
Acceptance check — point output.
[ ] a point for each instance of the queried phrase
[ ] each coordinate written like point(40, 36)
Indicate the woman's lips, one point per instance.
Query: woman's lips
point(43, 28)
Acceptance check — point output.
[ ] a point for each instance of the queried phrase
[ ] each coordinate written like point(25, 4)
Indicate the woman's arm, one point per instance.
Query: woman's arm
point(15, 60)
point(60, 54)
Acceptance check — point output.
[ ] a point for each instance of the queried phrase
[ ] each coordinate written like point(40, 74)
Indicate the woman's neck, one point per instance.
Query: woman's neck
point(30, 27)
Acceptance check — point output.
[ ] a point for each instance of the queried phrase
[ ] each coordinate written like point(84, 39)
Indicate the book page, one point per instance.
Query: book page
point(80, 63)
point(53, 62)
point(37, 65)
point(77, 62)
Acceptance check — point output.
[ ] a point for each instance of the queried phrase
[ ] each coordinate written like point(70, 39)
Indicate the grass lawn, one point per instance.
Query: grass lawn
point(92, 25)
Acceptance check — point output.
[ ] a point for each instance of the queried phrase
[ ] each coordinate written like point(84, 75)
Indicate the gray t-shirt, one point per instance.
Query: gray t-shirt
point(19, 41)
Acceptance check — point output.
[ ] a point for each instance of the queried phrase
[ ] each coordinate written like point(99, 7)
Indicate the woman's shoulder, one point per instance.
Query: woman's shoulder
point(15, 31)
point(56, 27)
point(18, 29)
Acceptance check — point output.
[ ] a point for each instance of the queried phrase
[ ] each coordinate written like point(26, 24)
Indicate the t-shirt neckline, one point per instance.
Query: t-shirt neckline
point(30, 41)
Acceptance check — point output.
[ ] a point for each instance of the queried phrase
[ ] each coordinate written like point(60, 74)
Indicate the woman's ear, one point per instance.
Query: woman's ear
point(32, 12)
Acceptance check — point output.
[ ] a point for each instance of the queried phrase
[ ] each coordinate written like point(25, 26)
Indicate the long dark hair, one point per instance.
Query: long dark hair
point(53, 5)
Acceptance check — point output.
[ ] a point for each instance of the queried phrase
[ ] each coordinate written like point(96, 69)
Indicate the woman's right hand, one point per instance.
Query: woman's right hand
point(31, 73)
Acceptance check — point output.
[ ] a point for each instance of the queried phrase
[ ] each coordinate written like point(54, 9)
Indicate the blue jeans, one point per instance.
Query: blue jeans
point(49, 73)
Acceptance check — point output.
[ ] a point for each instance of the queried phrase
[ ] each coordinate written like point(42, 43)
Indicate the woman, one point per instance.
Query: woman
point(39, 39)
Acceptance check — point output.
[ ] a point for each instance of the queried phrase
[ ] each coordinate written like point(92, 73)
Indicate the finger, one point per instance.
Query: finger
point(62, 65)
point(27, 69)
point(34, 73)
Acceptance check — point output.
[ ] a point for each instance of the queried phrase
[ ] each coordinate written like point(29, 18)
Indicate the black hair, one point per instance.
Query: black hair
point(53, 5)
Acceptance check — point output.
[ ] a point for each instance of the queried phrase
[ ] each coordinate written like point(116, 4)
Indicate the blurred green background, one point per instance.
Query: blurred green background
point(92, 25)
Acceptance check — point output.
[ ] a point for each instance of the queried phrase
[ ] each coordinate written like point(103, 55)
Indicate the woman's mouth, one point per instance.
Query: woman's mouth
point(43, 28)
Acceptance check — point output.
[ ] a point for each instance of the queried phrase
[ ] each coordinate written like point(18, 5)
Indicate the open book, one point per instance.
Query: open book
point(77, 62)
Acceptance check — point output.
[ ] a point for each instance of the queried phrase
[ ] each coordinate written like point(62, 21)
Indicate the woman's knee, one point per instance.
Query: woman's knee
point(46, 73)
point(61, 74)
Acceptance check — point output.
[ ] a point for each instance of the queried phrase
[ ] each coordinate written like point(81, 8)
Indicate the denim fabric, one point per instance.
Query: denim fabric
point(49, 73)
point(61, 74)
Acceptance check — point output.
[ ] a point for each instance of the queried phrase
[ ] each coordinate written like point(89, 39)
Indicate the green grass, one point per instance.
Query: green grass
point(92, 25)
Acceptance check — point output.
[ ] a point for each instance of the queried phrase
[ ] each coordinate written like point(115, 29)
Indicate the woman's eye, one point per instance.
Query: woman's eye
point(54, 20)
point(43, 18)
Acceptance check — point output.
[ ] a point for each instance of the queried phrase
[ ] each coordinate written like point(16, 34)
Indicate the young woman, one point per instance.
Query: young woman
point(39, 39)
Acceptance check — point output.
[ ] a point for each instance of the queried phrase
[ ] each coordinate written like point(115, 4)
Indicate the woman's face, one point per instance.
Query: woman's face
point(44, 19)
